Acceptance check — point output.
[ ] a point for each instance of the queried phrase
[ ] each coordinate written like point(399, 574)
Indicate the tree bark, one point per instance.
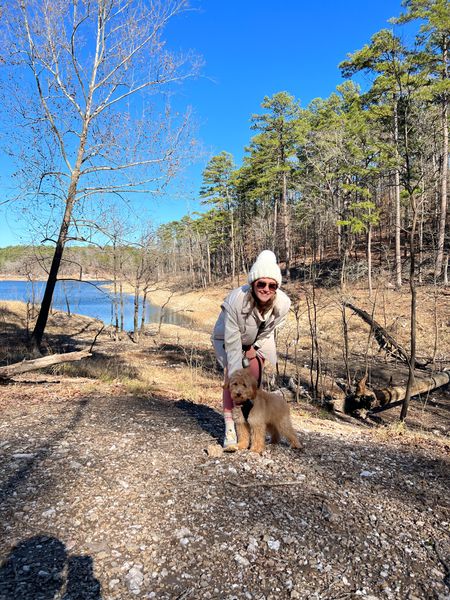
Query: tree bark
point(444, 177)
point(421, 386)
point(39, 328)
point(398, 257)
point(286, 235)
point(369, 259)
point(413, 316)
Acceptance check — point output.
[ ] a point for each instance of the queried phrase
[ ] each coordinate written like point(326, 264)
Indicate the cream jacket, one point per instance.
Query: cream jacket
point(240, 324)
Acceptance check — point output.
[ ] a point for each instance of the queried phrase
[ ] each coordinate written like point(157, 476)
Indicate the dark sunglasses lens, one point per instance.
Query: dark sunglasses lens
point(261, 285)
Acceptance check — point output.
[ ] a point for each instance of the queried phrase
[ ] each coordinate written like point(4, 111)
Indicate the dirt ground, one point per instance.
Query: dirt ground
point(109, 488)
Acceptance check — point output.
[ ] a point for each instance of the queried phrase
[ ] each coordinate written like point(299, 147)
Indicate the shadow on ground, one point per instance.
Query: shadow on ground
point(209, 420)
point(19, 477)
point(40, 567)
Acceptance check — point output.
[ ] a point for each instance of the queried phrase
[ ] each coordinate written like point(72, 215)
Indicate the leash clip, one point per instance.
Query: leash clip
point(245, 362)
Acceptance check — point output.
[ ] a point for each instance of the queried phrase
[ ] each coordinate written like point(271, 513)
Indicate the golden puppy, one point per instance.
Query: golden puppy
point(270, 412)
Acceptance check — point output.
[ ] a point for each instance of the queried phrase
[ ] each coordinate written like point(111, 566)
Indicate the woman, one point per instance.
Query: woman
point(244, 332)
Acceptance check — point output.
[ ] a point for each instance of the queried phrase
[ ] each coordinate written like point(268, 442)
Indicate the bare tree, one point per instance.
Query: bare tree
point(86, 81)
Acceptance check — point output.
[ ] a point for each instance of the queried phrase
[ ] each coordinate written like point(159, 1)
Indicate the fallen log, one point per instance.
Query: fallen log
point(395, 393)
point(384, 339)
point(379, 399)
point(40, 363)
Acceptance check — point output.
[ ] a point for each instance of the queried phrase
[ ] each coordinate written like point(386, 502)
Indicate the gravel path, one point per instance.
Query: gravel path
point(106, 495)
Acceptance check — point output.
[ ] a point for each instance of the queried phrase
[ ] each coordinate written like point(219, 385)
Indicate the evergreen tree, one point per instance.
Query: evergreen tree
point(275, 147)
point(218, 189)
point(433, 59)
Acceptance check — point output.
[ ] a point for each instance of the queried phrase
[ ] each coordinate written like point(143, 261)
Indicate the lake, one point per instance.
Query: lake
point(92, 299)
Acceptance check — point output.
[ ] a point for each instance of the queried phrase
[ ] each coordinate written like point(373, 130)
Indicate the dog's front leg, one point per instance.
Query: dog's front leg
point(242, 429)
point(258, 434)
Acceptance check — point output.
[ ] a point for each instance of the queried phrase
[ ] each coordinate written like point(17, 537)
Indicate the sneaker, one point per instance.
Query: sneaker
point(230, 441)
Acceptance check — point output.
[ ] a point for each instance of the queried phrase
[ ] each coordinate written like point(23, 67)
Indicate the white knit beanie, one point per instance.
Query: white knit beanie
point(265, 266)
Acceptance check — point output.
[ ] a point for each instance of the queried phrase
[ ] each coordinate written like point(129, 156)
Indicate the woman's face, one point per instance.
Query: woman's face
point(265, 289)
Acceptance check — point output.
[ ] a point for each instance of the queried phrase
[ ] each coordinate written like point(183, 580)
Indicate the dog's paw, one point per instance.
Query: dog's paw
point(298, 447)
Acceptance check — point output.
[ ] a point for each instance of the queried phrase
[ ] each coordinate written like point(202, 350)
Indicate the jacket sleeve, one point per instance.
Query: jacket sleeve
point(232, 339)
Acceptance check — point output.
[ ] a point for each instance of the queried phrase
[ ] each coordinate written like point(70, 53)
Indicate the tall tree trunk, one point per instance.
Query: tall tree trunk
point(369, 258)
point(286, 236)
point(115, 301)
point(122, 308)
point(444, 177)
point(233, 247)
point(208, 261)
point(446, 270)
point(412, 286)
point(275, 223)
point(136, 313)
point(39, 328)
point(232, 236)
point(144, 306)
point(398, 257)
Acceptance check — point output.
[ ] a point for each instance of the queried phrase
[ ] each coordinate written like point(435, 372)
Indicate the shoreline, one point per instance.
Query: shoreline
point(200, 306)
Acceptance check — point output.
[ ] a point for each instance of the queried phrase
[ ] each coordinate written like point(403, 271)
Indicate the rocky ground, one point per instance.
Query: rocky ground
point(110, 494)
point(109, 490)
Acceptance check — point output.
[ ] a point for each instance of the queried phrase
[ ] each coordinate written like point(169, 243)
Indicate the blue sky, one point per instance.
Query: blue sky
point(251, 49)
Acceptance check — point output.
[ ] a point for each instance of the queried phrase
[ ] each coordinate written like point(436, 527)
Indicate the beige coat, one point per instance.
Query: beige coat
point(238, 325)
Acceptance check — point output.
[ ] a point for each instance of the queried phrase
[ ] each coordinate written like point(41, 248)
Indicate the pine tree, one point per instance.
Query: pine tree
point(218, 189)
point(276, 145)
point(433, 40)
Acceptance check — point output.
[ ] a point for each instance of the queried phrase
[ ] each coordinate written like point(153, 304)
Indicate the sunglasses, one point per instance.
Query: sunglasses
point(261, 285)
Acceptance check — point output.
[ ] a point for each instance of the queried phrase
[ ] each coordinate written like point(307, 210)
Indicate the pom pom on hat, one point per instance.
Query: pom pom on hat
point(265, 266)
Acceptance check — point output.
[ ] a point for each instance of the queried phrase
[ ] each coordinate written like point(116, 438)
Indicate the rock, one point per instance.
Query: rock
point(367, 473)
point(112, 584)
point(241, 560)
point(134, 580)
point(183, 532)
point(273, 544)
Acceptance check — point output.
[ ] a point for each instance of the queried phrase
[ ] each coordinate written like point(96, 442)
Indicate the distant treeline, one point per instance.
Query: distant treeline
point(34, 261)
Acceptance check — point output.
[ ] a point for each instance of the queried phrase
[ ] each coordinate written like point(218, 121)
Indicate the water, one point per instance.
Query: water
point(92, 299)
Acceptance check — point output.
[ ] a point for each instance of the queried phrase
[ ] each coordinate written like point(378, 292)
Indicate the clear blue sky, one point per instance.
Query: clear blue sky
point(251, 49)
